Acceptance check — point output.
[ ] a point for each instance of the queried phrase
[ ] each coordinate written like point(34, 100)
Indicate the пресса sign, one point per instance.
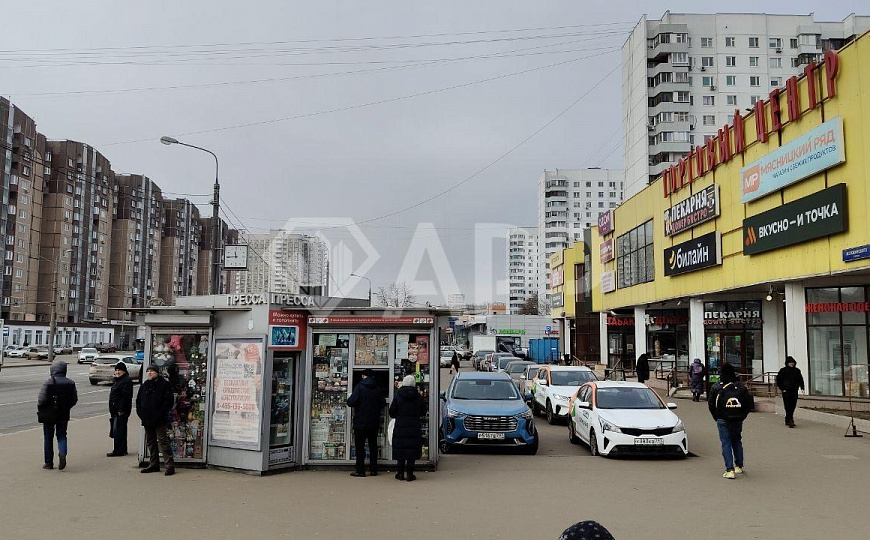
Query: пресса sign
point(700, 207)
point(695, 254)
point(814, 216)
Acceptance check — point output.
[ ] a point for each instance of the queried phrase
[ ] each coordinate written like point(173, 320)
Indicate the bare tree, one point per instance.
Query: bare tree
point(531, 307)
point(396, 295)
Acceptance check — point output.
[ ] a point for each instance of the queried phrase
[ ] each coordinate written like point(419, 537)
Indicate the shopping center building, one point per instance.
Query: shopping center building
point(757, 244)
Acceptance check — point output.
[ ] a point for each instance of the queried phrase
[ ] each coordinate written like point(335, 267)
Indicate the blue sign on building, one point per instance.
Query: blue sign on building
point(856, 253)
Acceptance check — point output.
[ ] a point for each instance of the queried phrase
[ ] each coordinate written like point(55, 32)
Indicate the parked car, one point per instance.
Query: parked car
point(516, 368)
point(463, 352)
point(620, 417)
point(87, 355)
point(521, 352)
point(554, 386)
point(40, 352)
point(525, 381)
point(106, 347)
point(445, 358)
point(63, 349)
point(486, 409)
point(14, 351)
point(478, 357)
point(103, 368)
point(501, 360)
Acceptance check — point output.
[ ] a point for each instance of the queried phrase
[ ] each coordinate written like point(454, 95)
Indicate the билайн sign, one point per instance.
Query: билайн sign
point(696, 254)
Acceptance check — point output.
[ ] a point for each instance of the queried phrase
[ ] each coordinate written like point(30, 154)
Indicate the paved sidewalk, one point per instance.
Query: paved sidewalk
point(809, 482)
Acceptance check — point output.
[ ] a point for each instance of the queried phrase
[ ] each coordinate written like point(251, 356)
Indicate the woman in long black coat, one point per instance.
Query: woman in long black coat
point(408, 409)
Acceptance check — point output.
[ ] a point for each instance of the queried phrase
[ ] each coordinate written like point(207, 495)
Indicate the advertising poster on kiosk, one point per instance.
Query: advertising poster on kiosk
point(238, 393)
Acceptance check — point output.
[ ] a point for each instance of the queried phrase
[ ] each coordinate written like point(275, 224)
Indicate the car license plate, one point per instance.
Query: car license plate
point(490, 435)
point(649, 442)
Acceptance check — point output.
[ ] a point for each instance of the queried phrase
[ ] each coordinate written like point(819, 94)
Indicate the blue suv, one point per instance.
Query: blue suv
point(486, 409)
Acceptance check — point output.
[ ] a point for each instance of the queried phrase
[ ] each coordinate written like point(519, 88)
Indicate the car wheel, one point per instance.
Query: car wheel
point(551, 416)
point(593, 444)
point(446, 448)
point(93, 382)
point(79, 361)
point(532, 449)
point(572, 435)
point(536, 409)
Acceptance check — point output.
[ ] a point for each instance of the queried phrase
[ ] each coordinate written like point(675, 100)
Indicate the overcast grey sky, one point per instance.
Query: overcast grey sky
point(363, 162)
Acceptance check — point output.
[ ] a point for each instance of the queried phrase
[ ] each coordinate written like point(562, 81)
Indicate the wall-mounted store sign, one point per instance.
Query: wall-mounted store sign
point(557, 277)
point(606, 250)
point(557, 300)
point(816, 150)
point(856, 253)
point(741, 316)
point(511, 332)
point(662, 320)
point(696, 254)
point(608, 281)
point(280, 299)
point(814, 216)
point(700, 207)
point(363, 321)
point(620, 321)
point(838, 307)
point(605, 223)
point(287, 330)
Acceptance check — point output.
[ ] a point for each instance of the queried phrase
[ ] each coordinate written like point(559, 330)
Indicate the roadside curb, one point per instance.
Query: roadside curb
point(7, 365)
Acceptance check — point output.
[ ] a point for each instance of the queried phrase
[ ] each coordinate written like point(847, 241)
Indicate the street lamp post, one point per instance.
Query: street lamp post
point(52, 328)
point(370, 286)
point(215, 222)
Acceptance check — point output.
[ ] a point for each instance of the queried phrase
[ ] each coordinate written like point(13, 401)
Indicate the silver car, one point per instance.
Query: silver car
point(87, 355)
point(516, 368)
point(103, 367)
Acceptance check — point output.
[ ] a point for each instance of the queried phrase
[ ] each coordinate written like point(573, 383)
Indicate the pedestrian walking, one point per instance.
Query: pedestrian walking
point(697, 376)
point(367, 401)
point(586, 530)
point(730, 403)
point(642, 368)
point(454, 363)
point(56, 398)
point(789, 380)
point(153, 404)
point(120, 407)
point(408, 409)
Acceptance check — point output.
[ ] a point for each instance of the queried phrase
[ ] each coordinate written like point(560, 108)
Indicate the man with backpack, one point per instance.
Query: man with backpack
point(730, 403)
point(789, 380)
point(56, 397)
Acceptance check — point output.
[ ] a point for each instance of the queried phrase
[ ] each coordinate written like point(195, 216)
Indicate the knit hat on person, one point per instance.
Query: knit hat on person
point(409, 380)
point(790, 360)
point(153, 367)
point(121, 366)
point(727, 374)
point(586, 530)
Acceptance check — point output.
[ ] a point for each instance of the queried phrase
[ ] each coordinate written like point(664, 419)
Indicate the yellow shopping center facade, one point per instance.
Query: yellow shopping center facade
point(757, 244)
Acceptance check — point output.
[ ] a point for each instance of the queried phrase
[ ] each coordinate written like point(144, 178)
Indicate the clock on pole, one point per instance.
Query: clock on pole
point(236, 257)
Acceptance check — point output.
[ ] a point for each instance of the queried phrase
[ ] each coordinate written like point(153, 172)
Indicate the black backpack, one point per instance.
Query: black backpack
point(728, 403)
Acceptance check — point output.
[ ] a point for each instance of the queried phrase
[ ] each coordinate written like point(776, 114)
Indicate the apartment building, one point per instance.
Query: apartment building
point(136, 239)
point(22, 156)
point(179, 250)
point(684, 75)
point(569, 201)
point(204, 263)
point(78, 206)
point(282, 262)
point(522, 267)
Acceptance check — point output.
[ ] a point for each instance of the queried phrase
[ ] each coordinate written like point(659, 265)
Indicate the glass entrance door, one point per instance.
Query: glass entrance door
point(282, 417)
point(727, 347)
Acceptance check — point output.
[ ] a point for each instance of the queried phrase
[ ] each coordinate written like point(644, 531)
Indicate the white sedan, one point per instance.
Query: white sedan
point(15, 351)
point(103, 368)
point(619, 417)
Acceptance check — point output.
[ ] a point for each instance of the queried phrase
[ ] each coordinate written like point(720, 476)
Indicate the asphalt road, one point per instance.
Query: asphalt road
point(19, 388)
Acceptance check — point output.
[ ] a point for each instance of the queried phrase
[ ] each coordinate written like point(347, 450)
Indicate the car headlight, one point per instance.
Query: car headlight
point(607, 426)
point(679, 427)
point(527, 415)
point(455, 414)
point(561, 397)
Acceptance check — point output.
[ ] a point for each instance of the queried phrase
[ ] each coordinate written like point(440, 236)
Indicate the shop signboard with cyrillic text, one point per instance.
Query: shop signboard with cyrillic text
point(816, 150)
point(606, 250)
point(605, 223)
point(700, 207)
point(821, 214)
point(608, 281)
point(695, 254)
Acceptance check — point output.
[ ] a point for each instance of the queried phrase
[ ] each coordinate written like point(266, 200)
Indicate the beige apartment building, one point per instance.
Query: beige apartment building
point(179, 250)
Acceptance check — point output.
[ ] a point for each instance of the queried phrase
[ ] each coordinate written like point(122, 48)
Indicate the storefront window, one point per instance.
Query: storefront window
point(280, 428)
point(635, 256)
point(412, 358)
point(182, 359)
point(853, 295)
point(733, 334)
point(328, 429)
point(372, 350)
point(668, 337)
point(826, 370)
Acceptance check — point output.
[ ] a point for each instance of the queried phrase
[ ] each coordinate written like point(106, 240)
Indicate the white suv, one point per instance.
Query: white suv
point(554, 386)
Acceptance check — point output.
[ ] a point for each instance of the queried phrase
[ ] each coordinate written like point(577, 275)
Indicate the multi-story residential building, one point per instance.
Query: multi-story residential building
point(137, 230)
point(179, 250)
point(684, 75)
point(569, 201)
point(522, 267)
point(282, 262)
point(22, 155)
point(204, 265)
point(78, 205)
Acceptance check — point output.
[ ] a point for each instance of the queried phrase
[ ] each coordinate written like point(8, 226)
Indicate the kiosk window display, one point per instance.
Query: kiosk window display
point(328, 428)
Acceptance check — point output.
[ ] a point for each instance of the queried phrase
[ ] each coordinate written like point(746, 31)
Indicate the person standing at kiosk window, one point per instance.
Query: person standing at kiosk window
point(120, 407)
point(367, 401)
point(153, 404)
point(407, 408)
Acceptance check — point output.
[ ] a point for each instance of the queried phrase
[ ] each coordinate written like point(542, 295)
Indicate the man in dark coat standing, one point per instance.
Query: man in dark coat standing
point(367, 401)
point(642, 368)
point(120, 407)
point(407, 408)
point(789, 380)
point(56, 397)
point(153, 405)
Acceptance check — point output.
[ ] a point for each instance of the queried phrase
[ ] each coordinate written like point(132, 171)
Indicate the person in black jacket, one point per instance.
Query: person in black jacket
point(454, 363)
point(120, 407)
point(153, 404)
point(367, 401)
point(56, 397)
point(789, 380)
point(730, 403)
point(642, 368)
point(407, 408)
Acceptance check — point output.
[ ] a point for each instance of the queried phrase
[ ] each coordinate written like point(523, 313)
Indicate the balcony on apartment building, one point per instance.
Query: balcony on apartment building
point(669, 38)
